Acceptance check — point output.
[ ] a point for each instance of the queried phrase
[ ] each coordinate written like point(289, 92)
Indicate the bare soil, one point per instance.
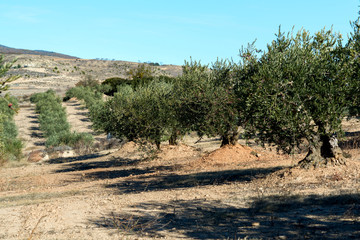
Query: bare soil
point(189, 191)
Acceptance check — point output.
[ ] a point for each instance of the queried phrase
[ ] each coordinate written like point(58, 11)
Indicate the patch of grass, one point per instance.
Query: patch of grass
point(74, 139)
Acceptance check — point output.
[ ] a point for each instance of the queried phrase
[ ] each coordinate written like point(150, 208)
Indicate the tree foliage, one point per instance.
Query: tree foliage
point(139, 114)
point(206, 102)
point(10, 146)
point(300, 92)
point(4, 79)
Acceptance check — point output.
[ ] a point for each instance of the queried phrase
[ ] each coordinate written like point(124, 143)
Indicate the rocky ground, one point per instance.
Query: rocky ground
point(195, 190)
point(38, 73)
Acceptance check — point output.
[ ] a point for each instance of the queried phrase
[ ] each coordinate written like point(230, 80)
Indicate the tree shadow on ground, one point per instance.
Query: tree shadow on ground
point(352, 134)
point(86, 114)
point(75, 159)
point(350, 143)
point(82, 166)
point(175, 181)
point(34, 128)
point(124, 172)
point(85, 119)
point(272, 217)
point(74, 103)
point(81, 108)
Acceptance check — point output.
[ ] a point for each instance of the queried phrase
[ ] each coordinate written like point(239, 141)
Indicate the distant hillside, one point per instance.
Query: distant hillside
point(8, 50)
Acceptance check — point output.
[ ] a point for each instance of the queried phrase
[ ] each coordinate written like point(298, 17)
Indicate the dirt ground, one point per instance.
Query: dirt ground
point(189, 191)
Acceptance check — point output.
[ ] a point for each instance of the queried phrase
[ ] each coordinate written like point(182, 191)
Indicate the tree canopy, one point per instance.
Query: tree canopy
point(300, 93)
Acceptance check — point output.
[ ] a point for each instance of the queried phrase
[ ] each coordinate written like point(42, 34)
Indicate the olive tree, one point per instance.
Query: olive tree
point(4, 79)
point(354, 56)
point(206, 101)
point(299, 95)
point(8, 130)
point(140, 114)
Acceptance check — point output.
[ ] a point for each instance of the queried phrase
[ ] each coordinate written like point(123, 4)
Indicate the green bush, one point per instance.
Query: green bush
point(113, 83)
point(76, 140)
point(88, 81)
point(12, 147)
point(138, 77)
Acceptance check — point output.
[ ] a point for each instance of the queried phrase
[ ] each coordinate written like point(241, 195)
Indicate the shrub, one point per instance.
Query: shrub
point(113, 83)
point(76, 140)
point(11, 146)
point(88, 81)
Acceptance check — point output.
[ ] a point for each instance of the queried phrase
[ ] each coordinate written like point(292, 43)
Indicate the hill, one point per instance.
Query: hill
point(9, 50)
point(39, 73)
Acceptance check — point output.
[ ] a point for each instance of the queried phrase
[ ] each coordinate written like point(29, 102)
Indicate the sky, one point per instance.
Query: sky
point(166, 32)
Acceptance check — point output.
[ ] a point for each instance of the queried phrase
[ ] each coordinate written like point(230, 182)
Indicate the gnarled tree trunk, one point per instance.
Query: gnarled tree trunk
point(323, 151)
point(230, 138)
point(173, 137)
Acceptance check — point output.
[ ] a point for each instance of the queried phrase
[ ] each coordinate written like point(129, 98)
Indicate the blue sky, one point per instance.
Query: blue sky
point(163, 31)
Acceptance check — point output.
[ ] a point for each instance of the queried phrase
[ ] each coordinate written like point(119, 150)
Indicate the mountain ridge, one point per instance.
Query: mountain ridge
point(9, 50)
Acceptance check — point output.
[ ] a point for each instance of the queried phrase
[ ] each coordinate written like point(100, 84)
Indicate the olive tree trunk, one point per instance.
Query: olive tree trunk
point(230, 138)
point(324, 150)
point(173, 138)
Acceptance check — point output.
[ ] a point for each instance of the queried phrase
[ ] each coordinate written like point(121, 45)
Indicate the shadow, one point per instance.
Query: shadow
point(74, 104)
point(85, 119)
point(75, 159)
point(33, 117)
point(35, 121)
point(39, 143)
point(124, 173)
point(80, 108)
point(82, 114)
point(350, 143)
point(273, 217)
point(34, 128)
point(37, 135)
point(174, 181)
point(114, 162)
point(352, 134)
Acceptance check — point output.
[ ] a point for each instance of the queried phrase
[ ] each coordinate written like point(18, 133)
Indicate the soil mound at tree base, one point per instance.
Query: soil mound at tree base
point(178, 152)
point(228, 155)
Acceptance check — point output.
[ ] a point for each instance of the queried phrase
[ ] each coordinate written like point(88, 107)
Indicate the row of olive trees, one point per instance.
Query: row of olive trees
point(296, 92)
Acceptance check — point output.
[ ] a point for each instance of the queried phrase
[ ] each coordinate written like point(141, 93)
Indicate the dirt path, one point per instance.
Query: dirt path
point(28, 125)
point(77, 116)
point(28, 128)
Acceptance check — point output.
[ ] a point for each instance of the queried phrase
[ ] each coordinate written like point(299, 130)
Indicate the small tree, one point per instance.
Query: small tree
point(141, 114)
point(299, 94)
point(8, 130)
point(354, 55)
point(4, 80)
point(206, 102)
